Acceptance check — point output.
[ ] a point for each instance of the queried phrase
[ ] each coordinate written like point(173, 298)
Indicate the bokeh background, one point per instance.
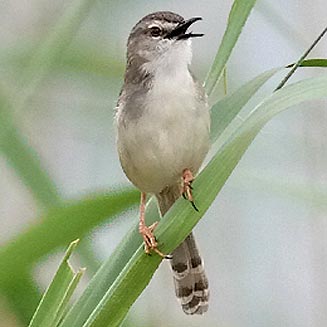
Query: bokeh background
point(264, 238)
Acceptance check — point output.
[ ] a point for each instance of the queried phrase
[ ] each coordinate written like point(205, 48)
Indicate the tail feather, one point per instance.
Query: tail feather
point(191, 283)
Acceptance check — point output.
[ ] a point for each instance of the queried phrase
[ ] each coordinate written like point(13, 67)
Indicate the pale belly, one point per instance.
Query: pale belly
point(155, 148)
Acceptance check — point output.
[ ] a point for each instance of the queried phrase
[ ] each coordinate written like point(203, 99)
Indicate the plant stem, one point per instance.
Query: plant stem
point(298, 63)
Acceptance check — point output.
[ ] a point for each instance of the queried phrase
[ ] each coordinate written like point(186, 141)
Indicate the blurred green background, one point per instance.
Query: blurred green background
point(264, 238)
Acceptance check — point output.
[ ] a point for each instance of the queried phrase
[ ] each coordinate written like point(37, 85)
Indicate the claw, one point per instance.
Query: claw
point(164, 256)
point(153, 226)
point(194, 206)
point(187, 187)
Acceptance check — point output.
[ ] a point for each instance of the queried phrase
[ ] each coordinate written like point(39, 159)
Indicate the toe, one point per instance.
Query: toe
point(153, 226)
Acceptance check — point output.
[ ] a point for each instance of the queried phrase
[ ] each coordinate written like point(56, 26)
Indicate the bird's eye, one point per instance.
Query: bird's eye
point(155, 31)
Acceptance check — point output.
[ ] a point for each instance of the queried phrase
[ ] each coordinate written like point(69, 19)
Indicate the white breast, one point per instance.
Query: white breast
point(172, 134)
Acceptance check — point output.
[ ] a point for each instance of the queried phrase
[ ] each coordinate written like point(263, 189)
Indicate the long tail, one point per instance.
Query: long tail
point(191, 283)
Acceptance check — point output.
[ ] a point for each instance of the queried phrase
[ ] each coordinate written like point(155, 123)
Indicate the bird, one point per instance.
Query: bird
point(163, 124)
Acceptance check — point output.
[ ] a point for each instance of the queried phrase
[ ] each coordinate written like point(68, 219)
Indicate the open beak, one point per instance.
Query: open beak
point(179, 32)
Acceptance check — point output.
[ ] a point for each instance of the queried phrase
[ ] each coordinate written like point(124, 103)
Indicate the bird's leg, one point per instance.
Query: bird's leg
point(149, 239)
point(188, 178)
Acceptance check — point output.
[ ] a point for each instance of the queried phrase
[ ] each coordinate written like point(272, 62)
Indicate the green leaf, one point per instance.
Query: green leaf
point(237, 17)
point(311, 63)
point(54, 301)
point(301, 59)
point(58, 227)
point(181, 218)
point(225, 110)
point(108, 272)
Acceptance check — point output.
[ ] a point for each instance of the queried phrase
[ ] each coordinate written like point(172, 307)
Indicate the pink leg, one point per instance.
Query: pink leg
point(146, 232)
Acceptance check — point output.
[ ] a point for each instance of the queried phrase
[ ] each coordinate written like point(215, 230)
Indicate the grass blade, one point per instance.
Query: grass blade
point(301, 59)
point(318, 62)
point(54, 302)
point(108, 272)
point(61, 225)
point(225, 110)
point(237, 17)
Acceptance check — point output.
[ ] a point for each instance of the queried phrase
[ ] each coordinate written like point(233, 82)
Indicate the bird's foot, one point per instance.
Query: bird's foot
point(187, 188)
point(150, 242)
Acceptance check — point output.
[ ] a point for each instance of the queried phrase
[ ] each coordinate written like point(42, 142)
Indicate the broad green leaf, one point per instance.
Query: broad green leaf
point(237, 17)
point(54, 301)
point(58, 227)
point(181, 219)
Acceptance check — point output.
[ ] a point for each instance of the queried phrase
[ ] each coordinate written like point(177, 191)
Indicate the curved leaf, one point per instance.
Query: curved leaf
point(237, 17)
point(60, 226)
point(225, 110)
point(108, 272)
point(54, 301)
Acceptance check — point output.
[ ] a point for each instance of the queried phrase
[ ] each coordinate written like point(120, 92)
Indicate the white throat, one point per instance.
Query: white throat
point(172, 62)
point(172, 94)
